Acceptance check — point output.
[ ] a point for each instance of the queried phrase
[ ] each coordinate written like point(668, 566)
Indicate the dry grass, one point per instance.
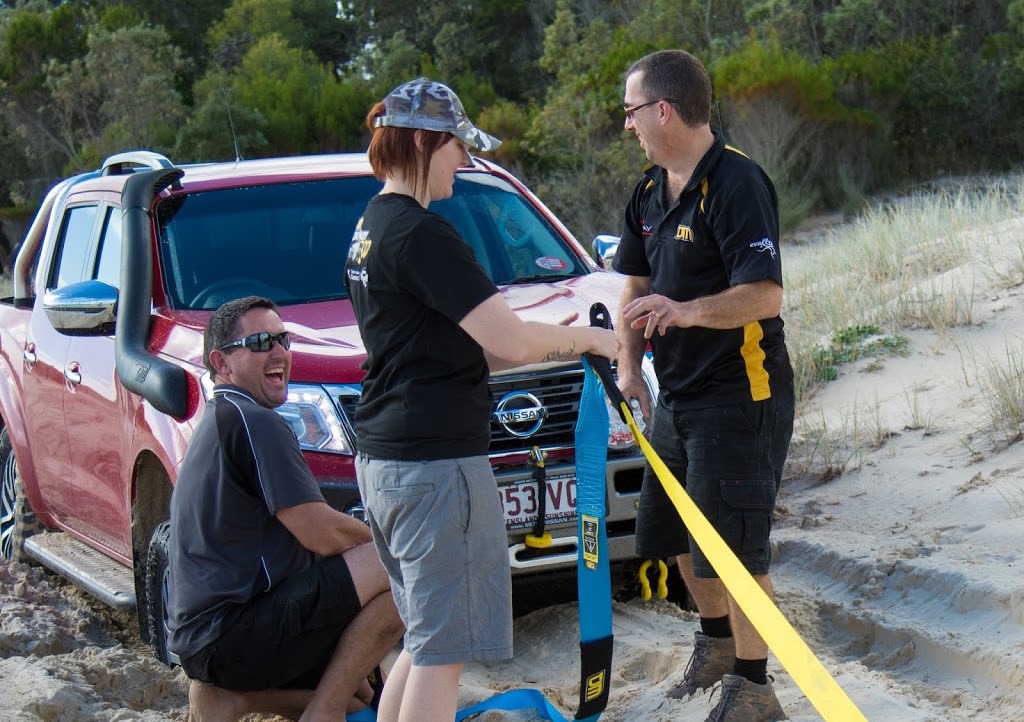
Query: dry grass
point(919, 263)
point(904, 265)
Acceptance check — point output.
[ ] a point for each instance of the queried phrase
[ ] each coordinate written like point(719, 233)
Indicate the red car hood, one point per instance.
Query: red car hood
point(325, 331)
point(333, 324)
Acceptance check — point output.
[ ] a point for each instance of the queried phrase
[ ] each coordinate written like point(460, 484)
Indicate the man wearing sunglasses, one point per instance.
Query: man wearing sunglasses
point(277, 603)
point(700, 249)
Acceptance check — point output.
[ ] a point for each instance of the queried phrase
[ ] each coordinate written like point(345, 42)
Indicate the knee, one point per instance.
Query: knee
point(385, 616)
point(366, 570)
point(395, 625)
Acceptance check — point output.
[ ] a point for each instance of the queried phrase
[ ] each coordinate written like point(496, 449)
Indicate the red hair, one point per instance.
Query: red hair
point(393, 151)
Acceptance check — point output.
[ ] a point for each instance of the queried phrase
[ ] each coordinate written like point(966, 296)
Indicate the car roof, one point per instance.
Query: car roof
point(298, 166)
point(201, 176)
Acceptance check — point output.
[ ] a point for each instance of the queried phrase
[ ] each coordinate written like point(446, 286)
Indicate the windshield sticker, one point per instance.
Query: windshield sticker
point(552, 263)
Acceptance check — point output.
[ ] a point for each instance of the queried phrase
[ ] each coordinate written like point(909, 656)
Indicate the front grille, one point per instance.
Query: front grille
point(557, 390)
point(559, 393)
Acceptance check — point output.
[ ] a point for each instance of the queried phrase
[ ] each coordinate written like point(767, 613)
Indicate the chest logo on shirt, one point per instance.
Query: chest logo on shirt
point(360, 245)
point(684, 233)
point(357, 251)
point(647, 229)
point(765, 244)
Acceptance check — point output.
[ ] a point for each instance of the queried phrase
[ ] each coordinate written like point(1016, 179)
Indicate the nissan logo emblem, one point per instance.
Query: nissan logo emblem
point(520, 414)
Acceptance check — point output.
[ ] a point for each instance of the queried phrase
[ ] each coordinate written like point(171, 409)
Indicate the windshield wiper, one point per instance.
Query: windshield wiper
point(543, 278)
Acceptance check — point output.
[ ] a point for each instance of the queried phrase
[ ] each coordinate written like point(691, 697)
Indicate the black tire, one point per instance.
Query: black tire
point(17, 520)
point(157, 560)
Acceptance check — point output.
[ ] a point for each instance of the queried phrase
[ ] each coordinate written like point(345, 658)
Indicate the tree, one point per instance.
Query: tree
point(329, 35)
point(282, 100)
point(390, 62)
point(283, 83)
point(32, 36)
point(220, 127)
point(98, 98)
point(340, 114)
point(186, 23)
point(581, 162)
point(247, 21)
point(494, 39)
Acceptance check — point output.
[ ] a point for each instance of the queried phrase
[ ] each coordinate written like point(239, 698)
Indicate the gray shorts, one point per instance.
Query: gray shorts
point(440, 533)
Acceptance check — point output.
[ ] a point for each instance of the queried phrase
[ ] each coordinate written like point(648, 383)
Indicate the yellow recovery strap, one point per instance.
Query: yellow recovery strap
point(821, 689)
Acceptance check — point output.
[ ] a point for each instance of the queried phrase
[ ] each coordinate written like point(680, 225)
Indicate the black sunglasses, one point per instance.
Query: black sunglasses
point(260, 342)
point(631, 111)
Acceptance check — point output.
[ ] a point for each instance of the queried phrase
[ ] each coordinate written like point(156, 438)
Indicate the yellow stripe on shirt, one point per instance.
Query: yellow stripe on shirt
point(753, 357)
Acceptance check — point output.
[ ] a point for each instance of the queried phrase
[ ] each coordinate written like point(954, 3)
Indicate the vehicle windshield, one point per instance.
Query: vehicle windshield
point(289, 241)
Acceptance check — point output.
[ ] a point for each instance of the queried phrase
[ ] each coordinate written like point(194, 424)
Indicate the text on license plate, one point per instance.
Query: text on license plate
point(520, 501)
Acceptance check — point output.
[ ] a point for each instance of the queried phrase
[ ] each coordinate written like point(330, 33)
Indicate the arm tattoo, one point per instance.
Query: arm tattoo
point(561, 355)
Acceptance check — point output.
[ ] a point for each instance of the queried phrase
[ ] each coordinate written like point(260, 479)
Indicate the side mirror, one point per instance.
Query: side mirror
point(604, 247)
point(88, 308)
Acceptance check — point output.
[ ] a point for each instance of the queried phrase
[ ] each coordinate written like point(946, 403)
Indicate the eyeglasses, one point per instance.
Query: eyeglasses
point(260, 342)
point(630, 112)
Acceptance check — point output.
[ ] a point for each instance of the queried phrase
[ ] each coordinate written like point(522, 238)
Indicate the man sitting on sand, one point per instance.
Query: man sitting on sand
point(277, 602)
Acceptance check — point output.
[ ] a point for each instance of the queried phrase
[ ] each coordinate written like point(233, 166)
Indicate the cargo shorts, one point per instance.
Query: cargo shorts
point(729, 459)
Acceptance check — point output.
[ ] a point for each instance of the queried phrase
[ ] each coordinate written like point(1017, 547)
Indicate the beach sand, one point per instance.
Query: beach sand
point(904, 574)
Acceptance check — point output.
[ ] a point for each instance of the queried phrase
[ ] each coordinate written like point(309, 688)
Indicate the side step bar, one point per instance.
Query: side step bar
point(101, 576)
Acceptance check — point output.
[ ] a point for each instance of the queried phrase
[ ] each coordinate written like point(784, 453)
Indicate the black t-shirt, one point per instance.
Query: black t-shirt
point(412, 279)
point(722, 231)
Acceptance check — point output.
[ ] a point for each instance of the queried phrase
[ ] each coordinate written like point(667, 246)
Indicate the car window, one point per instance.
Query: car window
point(289, 241)
point(75, 239)
point(286, 241)
point(513, 241)
point(108, 268)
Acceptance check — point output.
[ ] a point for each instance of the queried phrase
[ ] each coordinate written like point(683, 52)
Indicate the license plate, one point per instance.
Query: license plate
point(521, 503)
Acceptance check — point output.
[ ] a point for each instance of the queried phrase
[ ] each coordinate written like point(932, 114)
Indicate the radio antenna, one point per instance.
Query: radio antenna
point(231, 124)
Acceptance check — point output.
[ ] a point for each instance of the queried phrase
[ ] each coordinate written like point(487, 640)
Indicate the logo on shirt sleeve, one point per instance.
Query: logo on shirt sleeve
point(765, 244)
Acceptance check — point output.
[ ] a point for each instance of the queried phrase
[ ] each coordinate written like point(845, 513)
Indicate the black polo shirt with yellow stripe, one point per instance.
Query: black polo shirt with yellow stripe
point(722, 231)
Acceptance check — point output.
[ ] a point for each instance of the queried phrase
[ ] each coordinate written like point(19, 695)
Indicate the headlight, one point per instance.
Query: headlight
point(310, 410)
point(620, 437)
point(315, 420)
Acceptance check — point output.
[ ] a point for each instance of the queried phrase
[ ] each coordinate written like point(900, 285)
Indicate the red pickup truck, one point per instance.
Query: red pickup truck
point(101, 354)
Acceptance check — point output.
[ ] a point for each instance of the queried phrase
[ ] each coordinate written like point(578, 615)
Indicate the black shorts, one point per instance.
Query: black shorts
point(286, 637)
point(729, 459)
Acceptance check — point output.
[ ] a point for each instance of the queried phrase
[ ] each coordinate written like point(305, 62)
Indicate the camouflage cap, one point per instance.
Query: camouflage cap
point(429, 105)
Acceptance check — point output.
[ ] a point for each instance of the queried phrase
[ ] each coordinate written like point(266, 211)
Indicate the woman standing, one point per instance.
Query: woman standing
point(434, 326)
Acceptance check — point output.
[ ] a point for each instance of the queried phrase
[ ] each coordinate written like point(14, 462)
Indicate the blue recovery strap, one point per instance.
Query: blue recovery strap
point(515, 699)
point(594, 576)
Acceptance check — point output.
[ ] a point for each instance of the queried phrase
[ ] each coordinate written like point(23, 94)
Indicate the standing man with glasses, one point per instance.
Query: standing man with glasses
point(700, 247)
point(277, 602)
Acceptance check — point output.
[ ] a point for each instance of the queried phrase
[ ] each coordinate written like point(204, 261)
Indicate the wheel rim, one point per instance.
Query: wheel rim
point(8, 507)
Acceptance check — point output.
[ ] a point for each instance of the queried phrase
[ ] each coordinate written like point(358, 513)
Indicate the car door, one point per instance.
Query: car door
point(45, 355)
point(96, 401)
